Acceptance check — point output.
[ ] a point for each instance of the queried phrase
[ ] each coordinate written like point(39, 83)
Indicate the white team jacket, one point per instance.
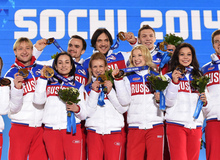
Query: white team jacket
point(55, 114)
point(181, 104)
point(104, 119)
point(143, 112)
point(212, 70)
point(4, 107)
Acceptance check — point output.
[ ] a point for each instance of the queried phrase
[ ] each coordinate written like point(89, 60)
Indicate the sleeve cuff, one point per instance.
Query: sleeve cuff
point(79, 109)
point(134, 42)
point(175, 83)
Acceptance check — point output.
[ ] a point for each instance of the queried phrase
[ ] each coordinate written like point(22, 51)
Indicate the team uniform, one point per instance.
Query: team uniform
point(212, 111)
point(104, 125)
point(26, 129)
point(4, 107)
point(59, 144)
point(183, 131)
point(145, 120)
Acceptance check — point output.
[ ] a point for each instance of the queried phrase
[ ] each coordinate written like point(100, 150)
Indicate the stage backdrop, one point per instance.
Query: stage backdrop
point(193, 20)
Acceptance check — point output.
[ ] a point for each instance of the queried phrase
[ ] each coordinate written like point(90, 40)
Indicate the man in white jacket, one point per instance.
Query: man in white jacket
point(212, 111)
point(26, 128)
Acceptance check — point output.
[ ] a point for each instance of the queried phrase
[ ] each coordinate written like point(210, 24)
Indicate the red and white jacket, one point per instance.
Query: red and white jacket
point(104, 119)
point(135, 91)
point(181, 100)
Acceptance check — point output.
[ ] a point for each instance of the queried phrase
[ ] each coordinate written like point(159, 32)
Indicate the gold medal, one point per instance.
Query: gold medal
point(120, 74)
point(23, 72)
point(102, 78)
point(181, 68)
point(163, 46)
point(50, 41)
point(48, 72)
point(5, 82)
point(121, 36)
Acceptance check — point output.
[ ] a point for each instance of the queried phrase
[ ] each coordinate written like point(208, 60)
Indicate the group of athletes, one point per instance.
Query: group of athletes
point(114, 120)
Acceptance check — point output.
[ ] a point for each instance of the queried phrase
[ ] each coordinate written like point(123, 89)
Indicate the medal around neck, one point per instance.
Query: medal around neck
point(5, 82)
point(102, 78)
point(48, 72)
point(163, 46)
point(121, 36)
point(49, 41)
point(23, 72)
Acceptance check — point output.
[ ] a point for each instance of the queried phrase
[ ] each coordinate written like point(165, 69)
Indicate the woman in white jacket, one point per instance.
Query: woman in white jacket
point(145, 120)
point(183, 131)
point(61, 145)
point(105, 119)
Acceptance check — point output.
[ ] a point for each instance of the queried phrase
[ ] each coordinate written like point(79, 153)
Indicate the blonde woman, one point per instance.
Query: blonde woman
point(145, 120)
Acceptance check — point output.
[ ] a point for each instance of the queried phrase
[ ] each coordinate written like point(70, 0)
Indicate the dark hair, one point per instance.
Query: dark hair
point(194, 63)
point(83, 41)
point(97, 33)
point(145, 27)
point(215, 33)
point(72, 71)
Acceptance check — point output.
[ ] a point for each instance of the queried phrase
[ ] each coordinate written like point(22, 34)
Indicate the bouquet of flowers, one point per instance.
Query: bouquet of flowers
point(159, 83)
point(173, 39)
point(169, 39)
point(199, 83)
point(69, 95)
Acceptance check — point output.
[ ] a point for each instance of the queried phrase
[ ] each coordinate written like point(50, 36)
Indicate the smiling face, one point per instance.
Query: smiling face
point(23, 53)
point(185, 56)
point(138, 58)
point(98, 67)
point(63, 65)
point(102, 43)
point(216, 44)
point(147, 38)
point(75, 48)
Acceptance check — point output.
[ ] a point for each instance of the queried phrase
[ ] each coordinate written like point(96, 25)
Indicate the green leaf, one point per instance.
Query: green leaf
point(173, 39)
point(158, 82)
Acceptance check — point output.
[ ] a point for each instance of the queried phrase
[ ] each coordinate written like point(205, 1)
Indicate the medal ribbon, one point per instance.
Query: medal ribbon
point(101, 97)
point(116, 45)
point(165, 59)
point(65, 80)
point(102, 94)
point(198, 108)
point(162, 101)
point(57, 45)
point(71, 122)
point(132, 69)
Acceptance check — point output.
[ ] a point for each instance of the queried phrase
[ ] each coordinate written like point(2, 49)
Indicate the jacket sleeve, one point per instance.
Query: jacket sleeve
point(171, 94)
point(123, 91)
point(91, 103)
point(206, 109)
point(4, 99)
point(114, 100)
point(82, 114)
point(36, 53)
point(15, 97)
point(40, 96)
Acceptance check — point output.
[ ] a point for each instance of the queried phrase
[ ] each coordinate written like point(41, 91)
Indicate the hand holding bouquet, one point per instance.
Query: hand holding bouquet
point(69, 95)
point(199, 83)
point(159, 83)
